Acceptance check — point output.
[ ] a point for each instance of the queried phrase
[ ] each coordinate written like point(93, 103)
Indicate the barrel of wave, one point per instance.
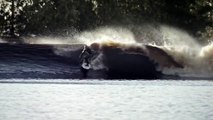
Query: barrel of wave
point(133, 54)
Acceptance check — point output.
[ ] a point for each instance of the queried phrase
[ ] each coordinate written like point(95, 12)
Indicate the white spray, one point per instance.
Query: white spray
point(106, 34)
point(186, 51)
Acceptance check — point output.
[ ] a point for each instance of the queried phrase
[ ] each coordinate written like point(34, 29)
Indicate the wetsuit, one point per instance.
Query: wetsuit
point(85, 58)
point(85, 55)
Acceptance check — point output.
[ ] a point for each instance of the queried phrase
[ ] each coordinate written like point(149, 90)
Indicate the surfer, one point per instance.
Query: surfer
point(86, 54)
point(85, 57)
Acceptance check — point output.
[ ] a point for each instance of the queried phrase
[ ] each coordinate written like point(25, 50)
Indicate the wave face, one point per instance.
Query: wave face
point(35, 61)
point(62, 61)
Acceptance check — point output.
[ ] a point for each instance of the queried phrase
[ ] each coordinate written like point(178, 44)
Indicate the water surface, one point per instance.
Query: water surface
point(105, 100)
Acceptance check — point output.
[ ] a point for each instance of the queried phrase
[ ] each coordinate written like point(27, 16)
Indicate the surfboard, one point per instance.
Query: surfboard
point(86, 66)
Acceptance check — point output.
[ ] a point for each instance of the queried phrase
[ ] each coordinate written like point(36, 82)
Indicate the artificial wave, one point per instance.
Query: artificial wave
point(128, 52)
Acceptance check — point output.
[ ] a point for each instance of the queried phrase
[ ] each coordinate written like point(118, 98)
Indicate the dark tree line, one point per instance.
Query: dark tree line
point(23, 17)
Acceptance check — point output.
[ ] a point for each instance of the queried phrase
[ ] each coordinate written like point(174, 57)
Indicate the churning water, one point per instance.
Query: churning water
point(105, 100)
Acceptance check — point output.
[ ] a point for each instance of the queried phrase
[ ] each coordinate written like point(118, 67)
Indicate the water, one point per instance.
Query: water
point(176, 42)
point(24, 99)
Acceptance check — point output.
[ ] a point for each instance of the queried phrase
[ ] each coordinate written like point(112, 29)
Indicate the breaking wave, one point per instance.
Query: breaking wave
point(197, 60)
point(174, 50)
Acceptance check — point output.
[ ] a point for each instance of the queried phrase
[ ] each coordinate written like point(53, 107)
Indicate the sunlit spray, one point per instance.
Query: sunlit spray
point(185, 50)
point(50, 40)
point(106, 34)
point(2, 41)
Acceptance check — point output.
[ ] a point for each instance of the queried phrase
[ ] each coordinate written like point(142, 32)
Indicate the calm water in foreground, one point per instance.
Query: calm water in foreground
point(105, 100)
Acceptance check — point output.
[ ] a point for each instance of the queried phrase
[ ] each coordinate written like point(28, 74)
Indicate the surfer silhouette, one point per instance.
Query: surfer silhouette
point(85, 57)
point(86, 54)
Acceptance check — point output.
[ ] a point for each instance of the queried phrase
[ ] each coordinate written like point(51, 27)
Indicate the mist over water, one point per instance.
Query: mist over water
point(107, 34)
point(183, 47)
point(187, 51)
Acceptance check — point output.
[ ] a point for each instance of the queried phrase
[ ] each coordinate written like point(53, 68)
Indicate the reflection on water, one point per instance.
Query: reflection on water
point(97, 100)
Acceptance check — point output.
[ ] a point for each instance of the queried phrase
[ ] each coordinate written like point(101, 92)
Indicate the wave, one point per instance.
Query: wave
point(176, 51)
point(34, 61)
point(170, 50)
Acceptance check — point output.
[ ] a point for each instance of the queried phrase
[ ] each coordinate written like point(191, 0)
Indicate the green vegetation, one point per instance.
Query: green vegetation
point(23, 17)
